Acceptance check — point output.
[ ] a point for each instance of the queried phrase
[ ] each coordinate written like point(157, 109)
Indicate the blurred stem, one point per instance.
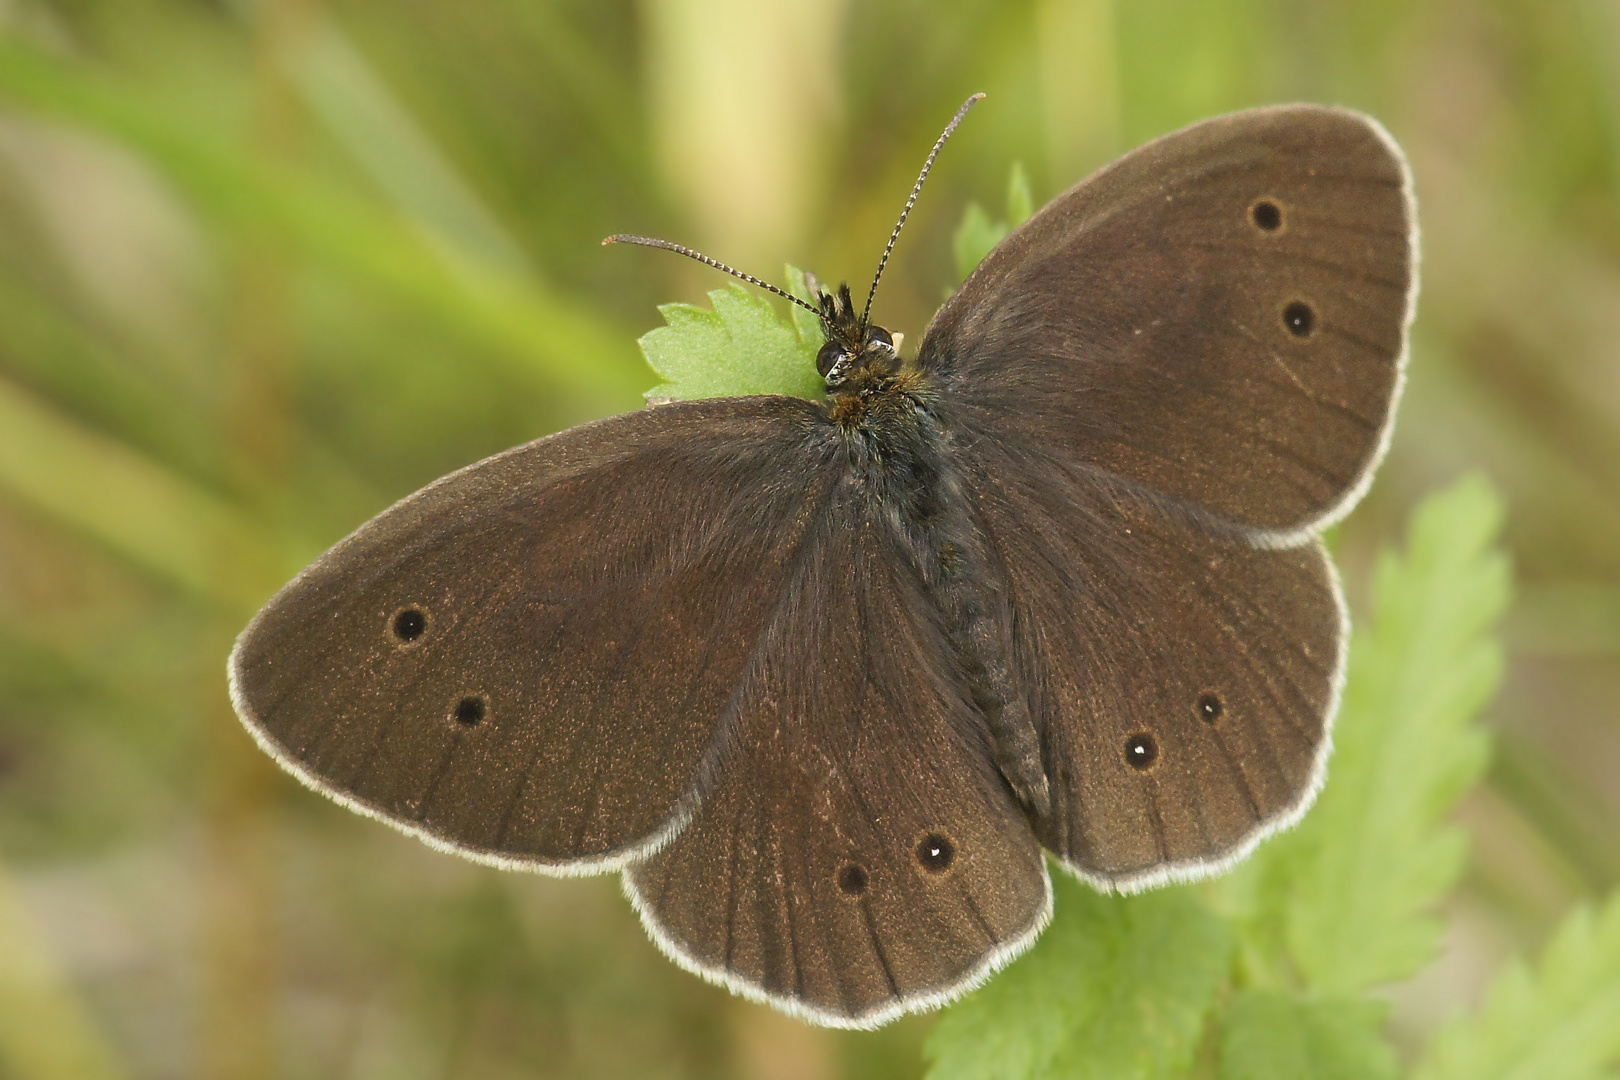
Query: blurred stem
point(770, 1046)
point(1079, 85)
point(238, 901)
point(743, 95)
point(240, 968)
point(260, 308)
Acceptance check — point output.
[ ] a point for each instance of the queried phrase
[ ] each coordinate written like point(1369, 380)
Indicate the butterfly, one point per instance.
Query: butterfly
point(827, 680)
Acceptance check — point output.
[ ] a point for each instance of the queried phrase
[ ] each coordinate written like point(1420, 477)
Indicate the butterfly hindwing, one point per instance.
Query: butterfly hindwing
point(859, 855)
point(1182, 680)
point(1163, 385)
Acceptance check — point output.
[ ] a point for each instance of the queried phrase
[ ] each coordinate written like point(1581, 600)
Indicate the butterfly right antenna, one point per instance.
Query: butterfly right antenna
point(916, 189)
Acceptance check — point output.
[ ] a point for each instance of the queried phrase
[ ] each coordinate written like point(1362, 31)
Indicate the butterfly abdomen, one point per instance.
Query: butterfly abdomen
point(902, 456)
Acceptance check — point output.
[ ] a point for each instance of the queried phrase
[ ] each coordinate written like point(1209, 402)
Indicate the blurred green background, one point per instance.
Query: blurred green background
point(266, 267)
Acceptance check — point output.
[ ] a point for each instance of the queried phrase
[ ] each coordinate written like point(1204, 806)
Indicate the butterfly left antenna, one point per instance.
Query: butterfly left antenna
point(916, 189)
point(682, 249)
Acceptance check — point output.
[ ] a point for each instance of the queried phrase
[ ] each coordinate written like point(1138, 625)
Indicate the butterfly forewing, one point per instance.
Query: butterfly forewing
point(1220, 315)
point(859, 855)
point(528, 659)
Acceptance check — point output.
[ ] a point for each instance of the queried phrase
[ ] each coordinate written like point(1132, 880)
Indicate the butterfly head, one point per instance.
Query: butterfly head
point(858, 355)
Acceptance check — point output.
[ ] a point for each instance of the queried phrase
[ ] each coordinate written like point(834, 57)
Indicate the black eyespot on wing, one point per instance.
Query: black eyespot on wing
point(470, 710)
point(852, 879)
point(1209, 708)
point(1141, 750)
point(1299, 318)
point(935, 853)
point(1266, 215)
point(409, 625)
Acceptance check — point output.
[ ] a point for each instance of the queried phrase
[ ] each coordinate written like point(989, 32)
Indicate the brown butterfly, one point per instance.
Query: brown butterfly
point(824, 678)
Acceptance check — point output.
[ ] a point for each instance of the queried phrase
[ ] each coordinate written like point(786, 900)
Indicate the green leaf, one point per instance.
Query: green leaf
point(1269, 1036)
point(1118, 987)
point(1560, 1022)
point(1345, 901)
point(1020, 205)
point(977, 236)
point(812, 333)
point(742, 346)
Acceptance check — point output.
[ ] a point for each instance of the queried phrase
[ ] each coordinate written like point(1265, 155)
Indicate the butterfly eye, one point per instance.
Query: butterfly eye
point(1209, 708)
point(876, 335)
point(1266, 215)
point(852, 879)
point(1299, 318)
point(469, 711)
point(830, 354)
point(935, 853)
point(1141, 750)
point(409, 625)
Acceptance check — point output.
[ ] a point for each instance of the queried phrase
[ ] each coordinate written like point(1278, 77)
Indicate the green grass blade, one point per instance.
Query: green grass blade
point(133, 506)
point(358, 107)
point(532, 328)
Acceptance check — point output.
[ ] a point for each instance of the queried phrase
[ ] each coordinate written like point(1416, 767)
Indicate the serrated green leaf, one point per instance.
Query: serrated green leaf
point(742, 346)
point(1265, 1035)
point(975, 238)
point(812, 334)
point(1348, 895)
point(1020, 205)
point(1117, 988)
point(1559, 1022)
